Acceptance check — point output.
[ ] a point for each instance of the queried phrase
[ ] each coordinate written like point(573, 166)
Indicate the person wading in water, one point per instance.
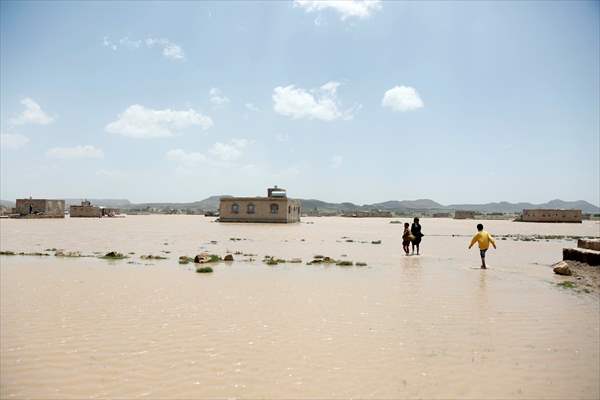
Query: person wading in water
point(415, 229)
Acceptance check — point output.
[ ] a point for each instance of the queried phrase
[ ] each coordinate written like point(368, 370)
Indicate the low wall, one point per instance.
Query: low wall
point(590, 257)
point(85, 212)
point(589, 244)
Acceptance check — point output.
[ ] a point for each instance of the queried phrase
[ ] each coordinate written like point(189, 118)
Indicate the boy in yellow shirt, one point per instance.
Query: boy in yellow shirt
point(483, 238)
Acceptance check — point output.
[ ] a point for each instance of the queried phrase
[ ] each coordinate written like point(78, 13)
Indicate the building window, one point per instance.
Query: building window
point(274, 208)
point(289, 209)
point(235, 208)
point(250, 209)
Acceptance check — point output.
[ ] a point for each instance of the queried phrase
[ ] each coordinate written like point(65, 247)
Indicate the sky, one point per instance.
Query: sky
point(360, 101)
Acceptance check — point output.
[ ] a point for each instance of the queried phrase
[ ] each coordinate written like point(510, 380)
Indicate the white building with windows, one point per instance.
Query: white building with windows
point(276, 207)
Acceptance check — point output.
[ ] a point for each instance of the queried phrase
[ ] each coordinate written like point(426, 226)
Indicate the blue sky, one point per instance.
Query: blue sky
point(461, 102)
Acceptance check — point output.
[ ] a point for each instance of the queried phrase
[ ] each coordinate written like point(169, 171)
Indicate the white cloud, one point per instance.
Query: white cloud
point(282, 137)
point(402, 98)
point(86, 151)
point(337, 161)
point(169, 49)
point(321, 103)
point(252, 107)
point(346, 8)
point(33, 114)
point(228, 151)
point(107, 43)
point(217, 97)
point(219, 155)
point(13, 141)
point(130, 43)
point(140, 122)
point(188, 159)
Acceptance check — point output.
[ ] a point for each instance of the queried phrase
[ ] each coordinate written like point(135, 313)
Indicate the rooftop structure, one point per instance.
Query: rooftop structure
point(276, 208)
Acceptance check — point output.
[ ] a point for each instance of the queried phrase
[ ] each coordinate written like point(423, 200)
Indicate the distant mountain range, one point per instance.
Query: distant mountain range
point(212, 203)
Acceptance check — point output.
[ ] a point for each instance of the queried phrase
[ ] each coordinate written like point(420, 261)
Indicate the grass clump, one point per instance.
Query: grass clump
point(204, 270)
point(185, 260)
point(152, 257)
point(270, 260)
point(376, 242)
point(567, 284)
point(7, 253)
point(345, 263)
point(361, 264)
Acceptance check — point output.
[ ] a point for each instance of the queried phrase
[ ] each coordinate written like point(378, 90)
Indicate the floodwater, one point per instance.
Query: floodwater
point(432, 326)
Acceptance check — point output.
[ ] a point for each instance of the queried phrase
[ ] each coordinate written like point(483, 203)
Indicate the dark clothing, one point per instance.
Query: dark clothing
point(415, 229)
point(482, 252)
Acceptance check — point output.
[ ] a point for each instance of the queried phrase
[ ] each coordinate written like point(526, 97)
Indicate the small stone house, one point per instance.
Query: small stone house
point(550, 215)
point(39, 208)
point(85, 210)
point(276, 208)
point(459, 214)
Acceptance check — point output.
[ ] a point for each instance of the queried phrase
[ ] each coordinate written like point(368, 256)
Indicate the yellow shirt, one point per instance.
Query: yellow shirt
point(484, 239)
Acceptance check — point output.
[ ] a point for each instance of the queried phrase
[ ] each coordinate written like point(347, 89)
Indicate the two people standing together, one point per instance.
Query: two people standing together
point(412, 235)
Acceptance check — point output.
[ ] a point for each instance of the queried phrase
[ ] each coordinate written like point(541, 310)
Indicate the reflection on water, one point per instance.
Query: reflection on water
point(433, 326)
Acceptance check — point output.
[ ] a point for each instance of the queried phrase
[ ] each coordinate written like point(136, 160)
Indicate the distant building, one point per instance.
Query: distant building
point(368, 214)
point(87, 210)
point(458, 214)
point(39, 208)
point(550, 215)
point(441, 215)
point(276, 207)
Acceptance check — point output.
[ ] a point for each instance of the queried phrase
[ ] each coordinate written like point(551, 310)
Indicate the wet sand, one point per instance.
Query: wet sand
point(433, 326)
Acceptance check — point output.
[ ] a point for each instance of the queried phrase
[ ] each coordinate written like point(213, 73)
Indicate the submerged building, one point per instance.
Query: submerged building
point(459, 214)
point(551, 215)
point(276, 207)
point(87, 210)
point(39, 208)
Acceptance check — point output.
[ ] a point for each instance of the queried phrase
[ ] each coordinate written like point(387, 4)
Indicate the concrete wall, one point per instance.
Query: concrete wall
point(441, 215)
point(259, 209)
point(40, 208)
point(85, 211)
point(542, 215)
point(464, 214)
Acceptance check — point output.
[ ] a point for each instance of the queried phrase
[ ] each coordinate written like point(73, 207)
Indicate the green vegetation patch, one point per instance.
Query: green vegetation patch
point(7, 253)
point(204, 270)
point(567, 285)
point(185, 260)
point(345, 263)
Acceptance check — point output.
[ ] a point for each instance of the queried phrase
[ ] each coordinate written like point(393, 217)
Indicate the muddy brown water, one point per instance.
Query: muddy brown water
point(432, 326)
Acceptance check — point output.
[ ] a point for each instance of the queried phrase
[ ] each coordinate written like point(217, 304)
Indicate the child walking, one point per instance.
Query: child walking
point(407, 237)
point(483, 238)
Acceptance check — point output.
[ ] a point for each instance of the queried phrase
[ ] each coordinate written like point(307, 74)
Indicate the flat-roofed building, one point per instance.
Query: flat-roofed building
point(551, 215)
point(459, 214)
point(39, 208)
point(441, 215)
point(85, 210)
point(276, 207)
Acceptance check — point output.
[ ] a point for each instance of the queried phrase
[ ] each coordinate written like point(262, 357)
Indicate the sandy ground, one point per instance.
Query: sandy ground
point(433, 326)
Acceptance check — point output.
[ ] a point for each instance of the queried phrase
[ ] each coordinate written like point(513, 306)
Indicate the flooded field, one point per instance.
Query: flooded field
point(432, 326)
